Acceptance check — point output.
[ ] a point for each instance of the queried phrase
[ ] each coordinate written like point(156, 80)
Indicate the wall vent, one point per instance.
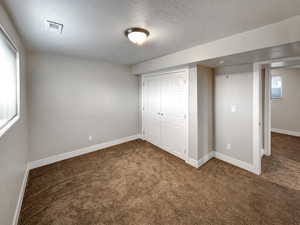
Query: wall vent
point(54, 27)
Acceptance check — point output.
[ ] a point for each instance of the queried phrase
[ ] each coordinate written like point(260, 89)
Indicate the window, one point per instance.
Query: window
point(9, 83)
point(276, 87)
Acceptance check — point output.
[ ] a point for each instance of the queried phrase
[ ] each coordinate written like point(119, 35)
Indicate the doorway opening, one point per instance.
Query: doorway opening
point(279, 121)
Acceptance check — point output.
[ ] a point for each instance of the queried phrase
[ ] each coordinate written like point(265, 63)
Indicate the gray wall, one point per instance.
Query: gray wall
point(234, 87)
point(201, 132)
point(285, 111)
point(71, 99)
point(205, 79)
point(193, 113)
point(13, 144)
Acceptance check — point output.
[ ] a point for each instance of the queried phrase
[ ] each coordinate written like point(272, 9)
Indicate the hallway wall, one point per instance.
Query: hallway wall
point(234, 112)
point(286, 110)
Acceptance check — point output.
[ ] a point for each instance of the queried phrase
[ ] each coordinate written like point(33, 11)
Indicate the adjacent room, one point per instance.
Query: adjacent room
point(149, 112)
point(282, 165)
point(285, 111)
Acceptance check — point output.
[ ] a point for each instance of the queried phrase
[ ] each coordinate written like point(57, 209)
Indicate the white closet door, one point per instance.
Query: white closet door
point(151, 113)
point(173, 111)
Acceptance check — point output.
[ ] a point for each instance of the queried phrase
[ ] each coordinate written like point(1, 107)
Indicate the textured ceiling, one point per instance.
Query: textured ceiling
point(94, 28)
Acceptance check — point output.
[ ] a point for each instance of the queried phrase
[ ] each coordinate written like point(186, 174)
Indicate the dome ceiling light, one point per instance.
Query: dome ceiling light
point(137, 35)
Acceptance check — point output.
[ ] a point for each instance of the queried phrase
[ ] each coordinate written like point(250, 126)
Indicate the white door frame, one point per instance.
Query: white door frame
point(166, 72)
point(257, 109)
point(267, 111)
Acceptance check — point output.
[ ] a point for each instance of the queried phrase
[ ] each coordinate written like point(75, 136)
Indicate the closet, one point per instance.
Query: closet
point(165, 110)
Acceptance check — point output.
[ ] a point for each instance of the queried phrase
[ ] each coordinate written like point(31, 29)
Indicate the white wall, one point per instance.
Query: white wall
point(13, 144)
point(286, 111)
point(72, 98)
point(234, 87)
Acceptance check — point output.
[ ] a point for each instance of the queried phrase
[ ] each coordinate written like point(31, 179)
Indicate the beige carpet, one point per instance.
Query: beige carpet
point(138, 184)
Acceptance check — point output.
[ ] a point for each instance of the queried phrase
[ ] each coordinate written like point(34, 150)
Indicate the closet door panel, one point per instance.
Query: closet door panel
point(173, 109)
point(151, 115)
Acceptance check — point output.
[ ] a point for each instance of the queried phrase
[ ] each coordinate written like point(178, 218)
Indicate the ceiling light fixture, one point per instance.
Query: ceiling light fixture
point(137, 35)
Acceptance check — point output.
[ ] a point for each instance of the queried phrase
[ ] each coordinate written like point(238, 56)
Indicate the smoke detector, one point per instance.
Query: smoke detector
point(54, 27)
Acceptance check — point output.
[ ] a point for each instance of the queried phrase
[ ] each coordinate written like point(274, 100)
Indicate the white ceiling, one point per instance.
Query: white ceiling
point(94, 28)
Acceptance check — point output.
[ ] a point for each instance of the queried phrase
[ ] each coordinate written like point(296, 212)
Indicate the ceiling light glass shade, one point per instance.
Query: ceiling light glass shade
point(137, 35)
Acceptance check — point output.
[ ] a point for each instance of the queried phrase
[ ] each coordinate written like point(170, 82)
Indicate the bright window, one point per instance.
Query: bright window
point(276, 87)
point(9, 83)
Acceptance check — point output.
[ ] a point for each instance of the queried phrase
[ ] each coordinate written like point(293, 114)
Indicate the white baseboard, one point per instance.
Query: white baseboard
point(205, 159)
point(20, 198)
point(67, 155)
point(288, 132)
point(192, 162)
point(225, 158)
point(236, 162)
point(262, 152)
point(56, 158)
point(201, 161)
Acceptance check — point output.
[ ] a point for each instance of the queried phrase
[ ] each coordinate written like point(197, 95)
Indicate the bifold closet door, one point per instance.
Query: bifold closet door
point(164, 112)
point(151, 111)
point(173, 110)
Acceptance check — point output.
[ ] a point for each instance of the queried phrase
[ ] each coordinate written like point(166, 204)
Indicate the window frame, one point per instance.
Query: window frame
point(16, 117)
point(281, 96)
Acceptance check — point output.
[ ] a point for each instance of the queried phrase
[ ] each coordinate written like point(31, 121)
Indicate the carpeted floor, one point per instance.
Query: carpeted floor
point(283, 167)
point(286, 146)
point(138, 184)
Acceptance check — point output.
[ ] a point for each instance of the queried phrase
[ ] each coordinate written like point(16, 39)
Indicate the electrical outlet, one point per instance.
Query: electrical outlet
point(228, 146)
point(90, 138)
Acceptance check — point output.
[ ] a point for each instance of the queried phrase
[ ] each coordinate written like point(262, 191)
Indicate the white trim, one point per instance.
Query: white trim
point(201, 161)
point(21, 196)
point(205, 158)
point(192, 162)
point(256, 123)
point(236, 162)
point(139, 136)
point(288, 132)
point(68, 155)
point(187, 112)
point(9, 125)
point(267, 111)
point(13, 120)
